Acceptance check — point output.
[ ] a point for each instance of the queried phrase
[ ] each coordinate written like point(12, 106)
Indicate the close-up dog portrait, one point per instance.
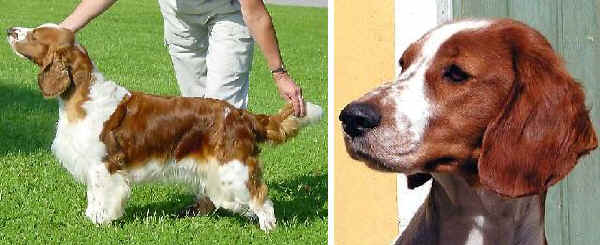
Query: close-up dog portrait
point(485, 108)
point(486, 135)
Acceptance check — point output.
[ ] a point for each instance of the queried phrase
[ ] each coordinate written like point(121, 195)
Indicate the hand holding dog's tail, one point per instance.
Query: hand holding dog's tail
point(279, 127)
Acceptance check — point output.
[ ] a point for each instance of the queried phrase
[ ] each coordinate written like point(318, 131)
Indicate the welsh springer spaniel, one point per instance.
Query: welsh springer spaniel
point(486, 108)
point(109, 138)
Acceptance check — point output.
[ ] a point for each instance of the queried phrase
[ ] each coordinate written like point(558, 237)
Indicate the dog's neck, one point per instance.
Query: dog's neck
point(82, 74)
point(97, 91)
point(73, 99)
point(456, 213)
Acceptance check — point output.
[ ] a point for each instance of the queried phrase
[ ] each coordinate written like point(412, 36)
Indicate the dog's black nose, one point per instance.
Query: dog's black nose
point(358, 118)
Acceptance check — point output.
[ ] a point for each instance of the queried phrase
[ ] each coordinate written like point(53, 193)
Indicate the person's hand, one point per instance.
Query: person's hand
point(85, 11)
point(290, 92)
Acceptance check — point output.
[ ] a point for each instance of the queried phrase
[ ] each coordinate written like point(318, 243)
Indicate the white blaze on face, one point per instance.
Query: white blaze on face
point(21, 33)
point(408, 94)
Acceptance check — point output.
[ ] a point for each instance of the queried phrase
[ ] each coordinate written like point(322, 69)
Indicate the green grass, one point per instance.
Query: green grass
point(40, 202)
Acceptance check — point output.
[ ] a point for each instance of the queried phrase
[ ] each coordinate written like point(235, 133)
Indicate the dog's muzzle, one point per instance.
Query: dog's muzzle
point(11, 32)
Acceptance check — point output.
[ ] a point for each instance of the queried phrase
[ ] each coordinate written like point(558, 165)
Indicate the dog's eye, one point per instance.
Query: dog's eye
point(455, 74)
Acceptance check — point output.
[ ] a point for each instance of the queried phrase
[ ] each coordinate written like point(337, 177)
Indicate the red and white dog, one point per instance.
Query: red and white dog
point(109, 138)
point(488, 110)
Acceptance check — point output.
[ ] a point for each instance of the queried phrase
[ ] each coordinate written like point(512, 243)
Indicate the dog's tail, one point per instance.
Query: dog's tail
point(279, 127)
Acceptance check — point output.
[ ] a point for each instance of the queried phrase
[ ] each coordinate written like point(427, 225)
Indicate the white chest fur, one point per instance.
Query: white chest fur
point(77, 144)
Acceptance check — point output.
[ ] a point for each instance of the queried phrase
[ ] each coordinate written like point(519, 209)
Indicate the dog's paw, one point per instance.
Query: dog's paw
point(101, 216)
point(267, 223)
point(266, 216)
point(97, 216)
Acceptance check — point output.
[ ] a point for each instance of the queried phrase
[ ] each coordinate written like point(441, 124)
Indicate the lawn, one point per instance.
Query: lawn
point(41, 203)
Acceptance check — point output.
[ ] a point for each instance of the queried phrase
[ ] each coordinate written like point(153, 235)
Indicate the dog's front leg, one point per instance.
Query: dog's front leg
point(107, 194)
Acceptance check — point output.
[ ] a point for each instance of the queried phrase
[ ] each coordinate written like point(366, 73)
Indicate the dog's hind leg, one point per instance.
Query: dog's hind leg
point(260, 204)
point(107, 194)
point(262, 207)
point(242, 191)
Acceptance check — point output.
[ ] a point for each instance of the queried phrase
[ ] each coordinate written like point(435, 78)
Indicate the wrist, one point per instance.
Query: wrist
point(278, 70)
point(68, 24)
point(278, 77)
point(70, 28)
point(279, 73)
point(276, 66)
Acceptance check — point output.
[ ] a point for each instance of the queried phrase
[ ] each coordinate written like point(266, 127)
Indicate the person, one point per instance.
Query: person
point(210, 43)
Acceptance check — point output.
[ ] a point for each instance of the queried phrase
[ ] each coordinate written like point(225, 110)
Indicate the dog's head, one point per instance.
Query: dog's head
point(488, 99)
point(62, 62)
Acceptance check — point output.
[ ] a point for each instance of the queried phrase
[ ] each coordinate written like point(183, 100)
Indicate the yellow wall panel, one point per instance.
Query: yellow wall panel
point(365, 200)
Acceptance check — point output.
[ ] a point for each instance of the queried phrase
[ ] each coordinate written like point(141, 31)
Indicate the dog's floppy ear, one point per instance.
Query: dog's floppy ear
point(544, 126)
point(54, 77)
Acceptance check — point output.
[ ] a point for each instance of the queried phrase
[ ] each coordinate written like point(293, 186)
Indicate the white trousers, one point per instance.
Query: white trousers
point(211, 52)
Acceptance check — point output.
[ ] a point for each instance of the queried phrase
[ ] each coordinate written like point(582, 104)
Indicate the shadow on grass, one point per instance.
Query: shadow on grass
point(27, 120)
point(306, 198)
point(169, 208)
